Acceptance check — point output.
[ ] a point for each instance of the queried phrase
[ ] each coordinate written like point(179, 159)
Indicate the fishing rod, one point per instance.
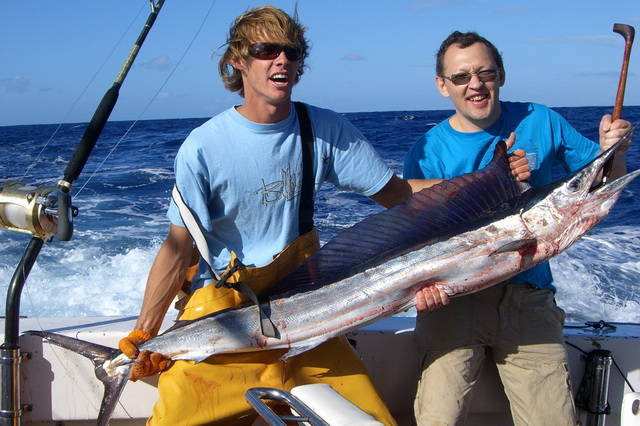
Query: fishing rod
point(628, 32)
point(44, 212)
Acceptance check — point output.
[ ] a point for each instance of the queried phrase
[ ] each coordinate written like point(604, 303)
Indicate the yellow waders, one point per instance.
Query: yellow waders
point(212, 392)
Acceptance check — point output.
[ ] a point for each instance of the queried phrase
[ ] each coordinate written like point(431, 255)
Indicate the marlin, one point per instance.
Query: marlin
point(464, 235)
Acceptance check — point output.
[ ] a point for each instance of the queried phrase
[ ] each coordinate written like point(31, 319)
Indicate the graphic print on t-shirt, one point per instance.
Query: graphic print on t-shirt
point(288, 188)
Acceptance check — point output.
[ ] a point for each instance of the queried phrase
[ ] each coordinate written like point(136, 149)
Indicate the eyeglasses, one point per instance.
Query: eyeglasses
point(272, 50)
point(462, 78)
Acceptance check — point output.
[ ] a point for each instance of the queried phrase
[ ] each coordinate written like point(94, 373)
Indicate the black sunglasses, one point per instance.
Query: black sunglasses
point(272, 50)
point(465, 77)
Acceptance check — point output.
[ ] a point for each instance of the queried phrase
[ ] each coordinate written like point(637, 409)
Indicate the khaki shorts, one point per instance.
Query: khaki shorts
point(520, 327)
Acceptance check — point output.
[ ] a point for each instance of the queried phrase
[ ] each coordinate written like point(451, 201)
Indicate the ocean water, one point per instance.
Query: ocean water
point(124, 190)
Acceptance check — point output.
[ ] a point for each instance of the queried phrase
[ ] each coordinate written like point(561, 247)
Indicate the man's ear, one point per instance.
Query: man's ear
point(238, 64)
point(503, 77)
point(442, 88)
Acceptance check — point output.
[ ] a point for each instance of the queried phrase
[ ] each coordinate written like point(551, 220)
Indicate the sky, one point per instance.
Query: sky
point(59, 58)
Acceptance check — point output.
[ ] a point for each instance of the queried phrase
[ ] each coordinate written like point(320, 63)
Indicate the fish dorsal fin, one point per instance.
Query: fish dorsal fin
point(424, 217)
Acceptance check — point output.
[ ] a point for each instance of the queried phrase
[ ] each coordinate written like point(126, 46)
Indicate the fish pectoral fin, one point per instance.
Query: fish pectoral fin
point(522, 246)
point(300, 349)
point(195, 356)
point(201, 358)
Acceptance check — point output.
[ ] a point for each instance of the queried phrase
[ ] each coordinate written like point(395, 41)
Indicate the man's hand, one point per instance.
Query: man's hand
point(610, 133)
point(431, 298)
point(147, 363)
point(517, 161)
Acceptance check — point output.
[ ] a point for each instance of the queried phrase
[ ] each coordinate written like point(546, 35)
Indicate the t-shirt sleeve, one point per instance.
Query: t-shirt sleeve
point(190, 175)
point(346, 156)
point(576, 150)
point(413, 161)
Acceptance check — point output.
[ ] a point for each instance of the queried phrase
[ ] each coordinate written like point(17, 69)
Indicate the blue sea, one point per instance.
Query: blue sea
point(124, 190)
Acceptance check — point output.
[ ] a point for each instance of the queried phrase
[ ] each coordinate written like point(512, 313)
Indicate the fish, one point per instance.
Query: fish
point(464, 234)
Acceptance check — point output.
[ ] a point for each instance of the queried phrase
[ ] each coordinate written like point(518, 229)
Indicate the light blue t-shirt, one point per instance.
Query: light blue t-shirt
point(547, 138)
point(243, 180)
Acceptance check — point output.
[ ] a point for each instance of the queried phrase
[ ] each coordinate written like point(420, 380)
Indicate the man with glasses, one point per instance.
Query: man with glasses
point(243, 178)
point(516, 323)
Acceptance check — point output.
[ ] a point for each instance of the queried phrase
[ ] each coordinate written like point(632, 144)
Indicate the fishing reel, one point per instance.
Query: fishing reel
point(40, 211)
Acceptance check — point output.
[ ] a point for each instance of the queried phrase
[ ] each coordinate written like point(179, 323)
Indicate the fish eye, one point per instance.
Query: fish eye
point(575, 185)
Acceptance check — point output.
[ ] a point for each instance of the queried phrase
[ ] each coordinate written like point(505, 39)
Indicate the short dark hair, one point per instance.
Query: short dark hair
point(464, 40)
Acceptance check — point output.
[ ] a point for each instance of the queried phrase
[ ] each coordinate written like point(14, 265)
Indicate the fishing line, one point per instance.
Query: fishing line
point(206, 16)
point(64, 120)
point(153, 98)
point(81, 95)
point(40, 325)
point(56, 353)
point(120, 78)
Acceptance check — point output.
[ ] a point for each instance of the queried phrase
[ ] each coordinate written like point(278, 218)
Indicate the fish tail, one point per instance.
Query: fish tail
point(98, 354)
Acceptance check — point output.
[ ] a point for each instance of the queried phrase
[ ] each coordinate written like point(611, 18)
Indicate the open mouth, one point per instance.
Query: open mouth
point(279, 78)
point(478, 98)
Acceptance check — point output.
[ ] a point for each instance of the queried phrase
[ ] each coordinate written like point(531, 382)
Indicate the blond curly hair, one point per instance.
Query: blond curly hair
point(265, 23)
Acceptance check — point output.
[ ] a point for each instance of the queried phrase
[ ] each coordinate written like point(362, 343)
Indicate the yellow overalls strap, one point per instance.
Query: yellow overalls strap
point(212, 391)
point(305, 226)
point(195, 229)
point(210, 298)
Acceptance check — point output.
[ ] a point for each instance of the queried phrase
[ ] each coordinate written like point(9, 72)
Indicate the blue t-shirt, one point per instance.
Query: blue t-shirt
point(546, 137)
point(243, 180)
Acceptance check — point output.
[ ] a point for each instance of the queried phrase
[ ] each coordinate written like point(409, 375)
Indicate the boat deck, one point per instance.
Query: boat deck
point(59, 385)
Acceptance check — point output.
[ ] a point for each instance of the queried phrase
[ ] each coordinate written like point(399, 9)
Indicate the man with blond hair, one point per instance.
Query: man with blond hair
point(244, 176)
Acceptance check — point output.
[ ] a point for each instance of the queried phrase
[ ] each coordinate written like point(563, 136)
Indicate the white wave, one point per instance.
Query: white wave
point(97, 274)
point(597, 277)
point(85, 281)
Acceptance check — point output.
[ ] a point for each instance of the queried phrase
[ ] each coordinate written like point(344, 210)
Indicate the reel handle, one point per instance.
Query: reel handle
point(65, 217)
point(40, 211)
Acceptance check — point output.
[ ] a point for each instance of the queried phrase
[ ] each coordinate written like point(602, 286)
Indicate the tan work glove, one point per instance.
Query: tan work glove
point(147, 363)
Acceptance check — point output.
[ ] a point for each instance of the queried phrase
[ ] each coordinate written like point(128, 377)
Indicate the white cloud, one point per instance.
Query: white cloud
point(17, 84)
point(160, 63)
point(353, 57)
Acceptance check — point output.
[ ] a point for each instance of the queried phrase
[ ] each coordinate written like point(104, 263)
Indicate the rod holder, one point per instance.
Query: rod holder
point(10, 411)
point(594, 390)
